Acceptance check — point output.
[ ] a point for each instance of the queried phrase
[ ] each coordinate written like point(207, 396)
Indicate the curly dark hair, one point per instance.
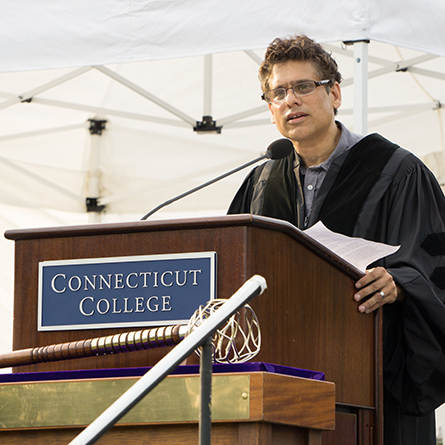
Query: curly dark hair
point(300, 48)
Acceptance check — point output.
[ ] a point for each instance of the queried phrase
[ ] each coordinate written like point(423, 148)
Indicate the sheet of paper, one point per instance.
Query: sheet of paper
point(356, 251)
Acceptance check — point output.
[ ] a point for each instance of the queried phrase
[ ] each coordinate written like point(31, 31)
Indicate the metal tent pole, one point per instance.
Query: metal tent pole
point(361, 87)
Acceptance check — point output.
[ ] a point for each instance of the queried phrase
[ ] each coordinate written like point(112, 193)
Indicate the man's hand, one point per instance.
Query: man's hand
point(380, 285)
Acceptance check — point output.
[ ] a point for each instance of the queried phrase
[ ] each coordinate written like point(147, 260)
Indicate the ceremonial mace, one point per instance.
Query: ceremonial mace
point(237, 341)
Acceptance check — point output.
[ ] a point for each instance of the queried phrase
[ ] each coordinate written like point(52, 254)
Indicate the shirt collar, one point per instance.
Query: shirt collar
point(346, 141)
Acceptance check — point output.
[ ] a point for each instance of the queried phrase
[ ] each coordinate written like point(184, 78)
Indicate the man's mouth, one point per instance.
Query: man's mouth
point(294, 117)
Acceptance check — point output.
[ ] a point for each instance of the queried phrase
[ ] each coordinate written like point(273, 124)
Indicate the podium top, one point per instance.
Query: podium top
point(218, 222)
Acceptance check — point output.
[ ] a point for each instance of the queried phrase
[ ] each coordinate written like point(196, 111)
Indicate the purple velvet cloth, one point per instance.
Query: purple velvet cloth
point(139, 372)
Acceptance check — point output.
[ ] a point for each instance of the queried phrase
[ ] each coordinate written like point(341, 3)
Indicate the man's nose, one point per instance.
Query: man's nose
point(291, 97)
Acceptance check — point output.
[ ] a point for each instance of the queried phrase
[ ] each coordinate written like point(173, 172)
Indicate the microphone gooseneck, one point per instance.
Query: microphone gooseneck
point(278, 149)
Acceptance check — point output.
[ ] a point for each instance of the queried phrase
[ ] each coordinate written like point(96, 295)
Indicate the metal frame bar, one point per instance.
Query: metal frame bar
point(208, 78)
point(235, 117)
point(257, 59)
point(137, 89)
point(389, 67)
point(110, 112)
point(41, 179)
point(28, 95)
point(15, 136)
point(94, 174)
point(360, 87)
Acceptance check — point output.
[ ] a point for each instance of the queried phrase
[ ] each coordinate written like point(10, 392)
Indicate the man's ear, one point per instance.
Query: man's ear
point(272, 118)
point(335, 94)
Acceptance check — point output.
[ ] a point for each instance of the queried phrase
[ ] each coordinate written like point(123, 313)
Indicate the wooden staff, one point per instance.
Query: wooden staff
point(112, 344)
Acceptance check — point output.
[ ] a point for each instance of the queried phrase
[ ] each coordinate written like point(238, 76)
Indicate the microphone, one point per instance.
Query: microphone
point(278, 149)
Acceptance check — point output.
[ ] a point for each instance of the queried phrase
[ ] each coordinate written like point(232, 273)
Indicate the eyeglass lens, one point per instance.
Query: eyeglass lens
point(300, 89)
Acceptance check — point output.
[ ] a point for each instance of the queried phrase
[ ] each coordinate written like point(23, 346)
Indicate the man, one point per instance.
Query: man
point(365, 187)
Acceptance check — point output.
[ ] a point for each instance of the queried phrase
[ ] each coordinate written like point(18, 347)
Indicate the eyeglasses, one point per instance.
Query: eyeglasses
point(300, 89)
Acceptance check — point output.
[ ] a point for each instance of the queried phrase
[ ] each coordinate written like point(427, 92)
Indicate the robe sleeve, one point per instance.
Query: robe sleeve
point(413, 216)
point(241, 203)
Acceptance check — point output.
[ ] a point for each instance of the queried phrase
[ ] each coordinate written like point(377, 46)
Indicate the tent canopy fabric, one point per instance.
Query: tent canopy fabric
point(49, 34)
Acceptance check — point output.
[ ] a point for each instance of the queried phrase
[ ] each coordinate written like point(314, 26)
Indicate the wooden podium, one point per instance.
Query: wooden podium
point(307, 315)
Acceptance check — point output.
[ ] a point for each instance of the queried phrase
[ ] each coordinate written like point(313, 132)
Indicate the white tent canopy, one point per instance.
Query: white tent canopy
point(50, 34)
point(153, 69)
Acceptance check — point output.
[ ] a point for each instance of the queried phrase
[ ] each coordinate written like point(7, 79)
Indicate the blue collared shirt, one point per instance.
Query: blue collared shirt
point(313, 177)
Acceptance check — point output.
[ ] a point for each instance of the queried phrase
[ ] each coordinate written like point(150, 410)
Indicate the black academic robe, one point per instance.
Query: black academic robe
point(381, 192)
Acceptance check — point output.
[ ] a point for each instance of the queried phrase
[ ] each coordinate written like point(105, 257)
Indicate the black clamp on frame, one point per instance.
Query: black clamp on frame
point(97, 126)
point(93, 205)
point(207, 125)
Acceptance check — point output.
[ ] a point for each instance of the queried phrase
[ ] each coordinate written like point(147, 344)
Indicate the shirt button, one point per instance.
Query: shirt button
point(310, 187)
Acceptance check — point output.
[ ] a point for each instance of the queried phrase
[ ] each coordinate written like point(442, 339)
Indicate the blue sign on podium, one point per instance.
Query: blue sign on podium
point(136, 291)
